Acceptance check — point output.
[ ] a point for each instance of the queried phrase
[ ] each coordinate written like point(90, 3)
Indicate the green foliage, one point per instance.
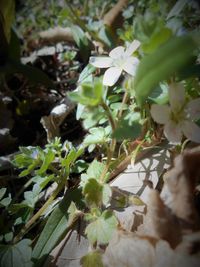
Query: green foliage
point(7, 13)
point(160, 65)
point(150, 29)
point(16, 255)
point(112, 116)
point(82, 42)
point(57, 226)
point(89, 94)
point(4, 202)
point(127, 129)
point(92, 259)
point(100, 231)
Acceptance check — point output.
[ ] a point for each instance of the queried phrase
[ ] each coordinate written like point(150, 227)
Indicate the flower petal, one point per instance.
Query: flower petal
point(130, 65)
point(173, 132)
point(193, 109)
point(101, 62)
point(111, 76)
point(117, 52)
point(132, 47)
point(160, 114)
point(176, 96)
point(191, 131)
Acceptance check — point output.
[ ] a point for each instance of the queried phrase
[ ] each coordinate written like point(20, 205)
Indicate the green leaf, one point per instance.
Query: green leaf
point(106, 35)
point(56, 227)
point(48, 159)
point(93, 192)
point(92, 259)
point(94, 171)
point(127, 130)
point(33, 74)
point(82, 42)
point(160, 65)
point(88, 94)
point(106, 194)
point(2, 192)
point(96, 136)
point(156, 40)
point(101, 230)
point(14, 46)
point(7, 11)
point(18, 255)
point(177, 8)
point(43, 181)
point(5, 201)
point(160, 94)
point(86, 72)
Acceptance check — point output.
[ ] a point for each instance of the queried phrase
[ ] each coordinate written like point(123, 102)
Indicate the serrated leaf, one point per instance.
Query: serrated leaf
point(16, 255)
point(96, 135)
point(101, 230)
point(160, 65)
point(93, 192)
point(56, 227)
point(95, 169)
point(92, 259)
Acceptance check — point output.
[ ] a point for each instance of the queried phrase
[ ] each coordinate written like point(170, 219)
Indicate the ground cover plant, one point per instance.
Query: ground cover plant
point(86, 87)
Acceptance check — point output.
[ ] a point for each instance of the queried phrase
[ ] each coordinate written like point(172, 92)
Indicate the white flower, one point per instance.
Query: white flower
point(178, 117)
point(119, 59)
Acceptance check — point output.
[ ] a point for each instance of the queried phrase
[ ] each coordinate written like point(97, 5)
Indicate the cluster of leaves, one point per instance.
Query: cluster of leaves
point(113, 117)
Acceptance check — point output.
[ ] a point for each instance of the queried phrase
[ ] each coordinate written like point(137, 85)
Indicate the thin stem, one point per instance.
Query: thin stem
point(38, 214)
point(124, 101)
point(109, 114)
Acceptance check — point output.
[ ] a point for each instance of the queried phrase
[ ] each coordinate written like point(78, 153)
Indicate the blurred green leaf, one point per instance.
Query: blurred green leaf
point(7, 12)
point(160, 94)
point(127, 130)
point(86, 72)
point(156, 40)
point(33, 74)
point(2, 192)
point(106, 194)
point(94, 170)
point(102, 229)
point(93, 192)
point(18, 255)
point(96, 135)
point(177, 8)
point(48, 159)
point(89, 94)
point(92, 259)
point(56, 227)
point(160, 65)
point(82, 42)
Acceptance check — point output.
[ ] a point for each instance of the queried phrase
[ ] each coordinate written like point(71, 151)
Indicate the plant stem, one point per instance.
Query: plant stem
point(39, 213)
point(124, 101)
point(109, 114)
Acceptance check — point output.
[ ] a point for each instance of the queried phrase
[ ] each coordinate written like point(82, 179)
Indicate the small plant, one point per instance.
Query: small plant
point(151, 81)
